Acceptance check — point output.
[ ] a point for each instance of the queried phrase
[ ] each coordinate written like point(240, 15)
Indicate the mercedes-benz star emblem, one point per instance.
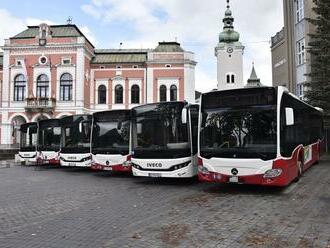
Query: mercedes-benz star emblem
point(234, 171)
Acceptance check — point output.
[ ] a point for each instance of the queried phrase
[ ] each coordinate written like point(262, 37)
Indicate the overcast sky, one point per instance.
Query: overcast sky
point(195, 24)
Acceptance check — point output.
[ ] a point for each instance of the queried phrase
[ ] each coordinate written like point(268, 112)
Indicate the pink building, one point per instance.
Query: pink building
point(54, 71)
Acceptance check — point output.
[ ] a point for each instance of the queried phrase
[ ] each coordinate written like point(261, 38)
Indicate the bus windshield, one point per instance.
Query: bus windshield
point(239, 131)
point(111, 132)
point(28, 137)
point(49, 135)
point(76, 134)
point(159, 132)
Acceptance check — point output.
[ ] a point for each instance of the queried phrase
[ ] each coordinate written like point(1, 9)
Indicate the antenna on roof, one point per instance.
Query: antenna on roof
point(69, 20)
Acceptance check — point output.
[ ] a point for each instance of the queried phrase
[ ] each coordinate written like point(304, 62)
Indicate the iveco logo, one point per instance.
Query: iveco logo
point(72, 158)
point(154, 165)
point(234, 171)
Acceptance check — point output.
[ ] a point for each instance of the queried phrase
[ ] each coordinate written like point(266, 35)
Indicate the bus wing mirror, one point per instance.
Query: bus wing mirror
point(184, 116)
point(80, 127)
point(289, 116)
point(138, 128)
point(119, 125)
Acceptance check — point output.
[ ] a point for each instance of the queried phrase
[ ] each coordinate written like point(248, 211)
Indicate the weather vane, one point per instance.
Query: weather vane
point(69, 20)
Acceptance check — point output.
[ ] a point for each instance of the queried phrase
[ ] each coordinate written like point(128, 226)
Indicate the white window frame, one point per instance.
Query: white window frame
point(66, 58)
point(300, 91)
point(300, 15)
point(19, 62)
point(300, 51)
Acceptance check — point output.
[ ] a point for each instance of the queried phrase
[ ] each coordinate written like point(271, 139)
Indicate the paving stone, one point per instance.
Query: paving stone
point(65, 207)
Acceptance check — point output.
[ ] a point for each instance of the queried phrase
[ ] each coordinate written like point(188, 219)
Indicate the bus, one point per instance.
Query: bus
point(75, 141)
point(262, 136)
point(28, 143)
point(164, 140)
point(49, 136)
point(110, 142)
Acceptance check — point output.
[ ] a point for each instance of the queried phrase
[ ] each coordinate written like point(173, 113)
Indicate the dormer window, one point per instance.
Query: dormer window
point(118, 66)
point(168, 66)
point(135, 66)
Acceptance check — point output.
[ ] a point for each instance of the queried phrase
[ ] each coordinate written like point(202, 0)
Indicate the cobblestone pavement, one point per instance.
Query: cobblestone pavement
point(69, 207)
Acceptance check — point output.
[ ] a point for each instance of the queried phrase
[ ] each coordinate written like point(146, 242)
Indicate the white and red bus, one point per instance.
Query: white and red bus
point(110, 142)
point(264, 136)
point(49, 137)
point(75, 141)
point(164, 140)
point(28, 143)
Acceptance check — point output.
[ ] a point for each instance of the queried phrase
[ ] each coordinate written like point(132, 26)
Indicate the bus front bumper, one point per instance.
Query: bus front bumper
point(260, 179)
point(116, 167)
point(186, 172)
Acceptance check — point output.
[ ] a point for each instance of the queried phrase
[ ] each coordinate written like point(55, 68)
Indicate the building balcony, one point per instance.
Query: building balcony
point(40, 104)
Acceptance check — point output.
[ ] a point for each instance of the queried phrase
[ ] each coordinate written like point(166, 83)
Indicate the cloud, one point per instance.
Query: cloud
point(89, 34)
point(11, 25)
point(196, 25)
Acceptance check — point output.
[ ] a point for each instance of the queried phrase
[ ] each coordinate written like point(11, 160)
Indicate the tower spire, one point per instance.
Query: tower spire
point(228, 35)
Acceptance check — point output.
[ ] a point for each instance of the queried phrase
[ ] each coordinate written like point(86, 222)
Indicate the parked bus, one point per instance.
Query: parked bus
point(264, 136)
point(164, 140)
point(49, 136)
point(28, 143)
point(75, 141)
point(110, 145)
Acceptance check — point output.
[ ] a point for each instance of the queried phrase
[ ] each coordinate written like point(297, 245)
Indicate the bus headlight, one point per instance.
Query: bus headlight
point(273, 173)
point(127, 163)
point(203, 170)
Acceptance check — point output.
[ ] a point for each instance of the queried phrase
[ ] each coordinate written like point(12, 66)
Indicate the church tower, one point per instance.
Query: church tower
point(229, 53)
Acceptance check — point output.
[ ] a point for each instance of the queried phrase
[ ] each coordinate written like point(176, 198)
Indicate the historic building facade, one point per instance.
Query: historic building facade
point(54, 71)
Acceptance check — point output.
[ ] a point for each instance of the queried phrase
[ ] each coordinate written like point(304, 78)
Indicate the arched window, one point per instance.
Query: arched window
point(19, 88)
point(102, 92)
point(42, 86)
point(135, 94)
point(119, 99)
point(162, 93)
point(232, 78)
point(173, 93)
point(66, 87)
point(228, 79)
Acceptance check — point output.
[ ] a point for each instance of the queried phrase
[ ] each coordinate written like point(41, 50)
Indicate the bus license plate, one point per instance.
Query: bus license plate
point(155, 175)
point(233, 179)
point(107, 168)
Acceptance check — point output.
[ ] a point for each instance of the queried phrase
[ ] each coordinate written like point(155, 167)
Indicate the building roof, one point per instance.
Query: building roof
point(68, 30)
point(1, 59)
point(168, 47)
point(253, 81)
point(104, 56)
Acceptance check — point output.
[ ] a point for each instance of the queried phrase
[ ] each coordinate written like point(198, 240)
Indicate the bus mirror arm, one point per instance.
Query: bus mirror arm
point(289, 116)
